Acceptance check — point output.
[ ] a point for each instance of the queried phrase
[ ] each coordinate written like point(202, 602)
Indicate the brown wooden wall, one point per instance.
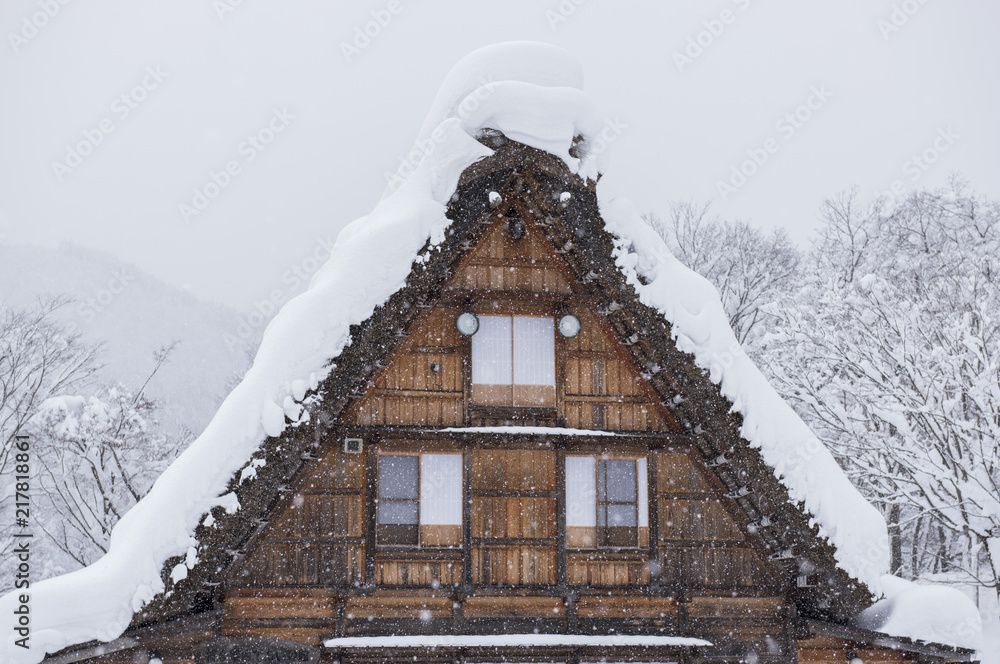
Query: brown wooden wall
point(701, 544)
point(499, 263)
point(597, 385)
point(513, 517)
point(319, 539)
point(826, 650)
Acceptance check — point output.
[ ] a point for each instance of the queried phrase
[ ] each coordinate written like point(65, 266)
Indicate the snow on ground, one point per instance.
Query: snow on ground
point(531, 91)
point(924, 612)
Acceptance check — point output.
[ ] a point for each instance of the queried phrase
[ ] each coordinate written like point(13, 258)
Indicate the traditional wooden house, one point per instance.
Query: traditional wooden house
point(518, 457)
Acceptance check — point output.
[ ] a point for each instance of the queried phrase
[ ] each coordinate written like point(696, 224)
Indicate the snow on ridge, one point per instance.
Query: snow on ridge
point(534, 63)
point(310, 331)
point(800, 461)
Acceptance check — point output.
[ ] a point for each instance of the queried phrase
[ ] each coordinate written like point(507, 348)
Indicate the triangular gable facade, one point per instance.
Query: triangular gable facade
point(352, 527)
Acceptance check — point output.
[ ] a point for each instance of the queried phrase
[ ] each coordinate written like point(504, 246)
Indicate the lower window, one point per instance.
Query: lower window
point(419, 500)
point(606, 502)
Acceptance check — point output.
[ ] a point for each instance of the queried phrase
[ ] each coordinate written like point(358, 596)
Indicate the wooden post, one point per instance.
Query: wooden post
point(652, 466)
point(371, 496)
point(561, 520)
point(467, 519)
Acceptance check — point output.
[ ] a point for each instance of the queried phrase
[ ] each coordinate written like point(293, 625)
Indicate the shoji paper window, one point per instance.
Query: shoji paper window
point(607, 502)
point(514, 361)
point(440, 499)
point(419, 499)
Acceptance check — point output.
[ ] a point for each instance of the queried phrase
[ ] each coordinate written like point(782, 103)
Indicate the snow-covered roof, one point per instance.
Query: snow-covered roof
point(532, 93)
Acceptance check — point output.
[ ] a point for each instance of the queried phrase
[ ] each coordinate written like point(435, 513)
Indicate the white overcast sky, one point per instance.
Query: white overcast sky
point(893, 93)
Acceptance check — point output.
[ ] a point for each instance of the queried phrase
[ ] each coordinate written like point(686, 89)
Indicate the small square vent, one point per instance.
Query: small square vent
point(354, 445)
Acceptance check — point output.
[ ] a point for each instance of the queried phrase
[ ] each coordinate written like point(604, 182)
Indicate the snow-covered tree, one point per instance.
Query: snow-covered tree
point(98, 456)
point(39, 358)
point(93, 451)
point(891, 352)
point(750, 268)
point(886, 340)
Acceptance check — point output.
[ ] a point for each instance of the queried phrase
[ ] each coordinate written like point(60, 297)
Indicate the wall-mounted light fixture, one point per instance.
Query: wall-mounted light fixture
point(495, 199)
point(569, 326)
point(564, 199)
point(467, 323)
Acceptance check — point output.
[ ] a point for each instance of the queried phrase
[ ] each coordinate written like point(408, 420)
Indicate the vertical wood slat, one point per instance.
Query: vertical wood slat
point(561, 518)
point(515, 514)
point(372, 482)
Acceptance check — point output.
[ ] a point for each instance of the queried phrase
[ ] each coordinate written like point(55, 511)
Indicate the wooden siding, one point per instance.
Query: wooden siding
point(701, 544)
point(409, 390)
point(738, 624)
point(827, 650)
point(513, 517)
point(499, 263)
point(602, 387)
point(607, 569)
point(319, 538)
point(597, 384)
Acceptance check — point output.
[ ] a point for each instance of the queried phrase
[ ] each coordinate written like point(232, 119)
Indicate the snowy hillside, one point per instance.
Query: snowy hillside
point(133, 313)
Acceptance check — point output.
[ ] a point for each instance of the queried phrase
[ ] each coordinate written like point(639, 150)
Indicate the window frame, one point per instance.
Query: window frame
point(513, 394)
point(581, 540)
point(424, 532)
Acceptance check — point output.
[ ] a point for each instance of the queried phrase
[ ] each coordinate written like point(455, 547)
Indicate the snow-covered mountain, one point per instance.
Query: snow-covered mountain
point(133, 313)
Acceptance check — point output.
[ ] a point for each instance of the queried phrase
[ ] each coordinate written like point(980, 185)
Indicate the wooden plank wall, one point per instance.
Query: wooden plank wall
point(320, 537)
point(602, 389)
point(827, 650)
point(598, 386)
point(499, 263)
point(409, 390)
point(700, 543)
point(513, 497)
point(713, 582)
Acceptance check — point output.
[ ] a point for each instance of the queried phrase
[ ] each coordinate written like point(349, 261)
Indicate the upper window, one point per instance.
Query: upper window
point(419, 500)
point(606, 502)
point(513, 362)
